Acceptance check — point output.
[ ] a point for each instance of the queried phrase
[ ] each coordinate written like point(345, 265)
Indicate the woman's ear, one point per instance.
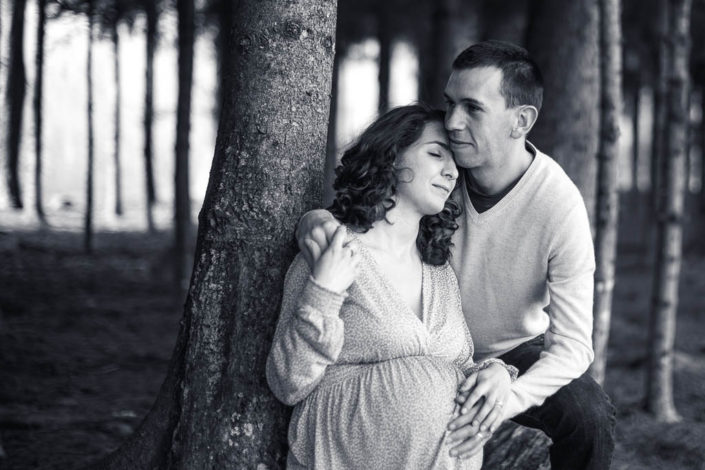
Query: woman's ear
point(525, 118)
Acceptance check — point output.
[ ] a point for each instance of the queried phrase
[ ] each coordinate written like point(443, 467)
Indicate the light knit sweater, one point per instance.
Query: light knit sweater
point(525, 267)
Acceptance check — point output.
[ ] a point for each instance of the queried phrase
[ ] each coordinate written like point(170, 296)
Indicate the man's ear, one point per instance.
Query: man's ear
point(525, 118)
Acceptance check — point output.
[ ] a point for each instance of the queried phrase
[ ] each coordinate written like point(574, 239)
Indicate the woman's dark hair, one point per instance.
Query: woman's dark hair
point(366, 179)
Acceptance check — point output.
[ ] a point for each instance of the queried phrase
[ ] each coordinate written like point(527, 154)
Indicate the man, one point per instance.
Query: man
point(524, 260)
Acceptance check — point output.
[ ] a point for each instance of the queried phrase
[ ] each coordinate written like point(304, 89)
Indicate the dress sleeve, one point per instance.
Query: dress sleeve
point(478, 366)
point(308, 337)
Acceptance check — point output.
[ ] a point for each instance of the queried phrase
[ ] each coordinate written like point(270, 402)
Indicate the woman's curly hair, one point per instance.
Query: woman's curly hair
point(366, 180)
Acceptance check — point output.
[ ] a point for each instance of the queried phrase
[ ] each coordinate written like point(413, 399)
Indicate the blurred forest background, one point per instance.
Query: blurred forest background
point(109, 115)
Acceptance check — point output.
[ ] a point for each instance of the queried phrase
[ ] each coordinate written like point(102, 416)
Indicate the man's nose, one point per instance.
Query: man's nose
point(453, 119)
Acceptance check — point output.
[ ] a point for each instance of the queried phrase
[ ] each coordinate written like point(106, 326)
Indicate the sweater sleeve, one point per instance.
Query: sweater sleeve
point(568, 341)
point(308, 337)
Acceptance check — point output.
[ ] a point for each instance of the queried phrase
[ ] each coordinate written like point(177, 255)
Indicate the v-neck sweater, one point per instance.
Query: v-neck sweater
point(525, 267)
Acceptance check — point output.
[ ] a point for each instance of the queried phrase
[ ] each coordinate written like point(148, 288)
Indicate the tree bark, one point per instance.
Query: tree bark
point(182, 199)
point(151, 197)
point(214, 409)
point(384, 36)
point(635, 131)
point(38, 98)
point(15, 93)
point(118, 117)
point(563, 40)
point(331, 140)
point(659, 386)
point(514, 447)
point(88, 219)
point(607, 197)
point(225, 27)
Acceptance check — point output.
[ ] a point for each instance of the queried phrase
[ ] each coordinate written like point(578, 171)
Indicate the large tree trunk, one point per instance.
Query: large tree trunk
point(214, 409)
point(118, 114)
point(223, 55)
point(662, 324)
point(38, 96)
point(182, 199)
point(607, 197)
point(331, 140)
point(702, 149)
point(88, 219)
point(384, 36)
point(151, 197)
point(563, 39)
point(15, 93)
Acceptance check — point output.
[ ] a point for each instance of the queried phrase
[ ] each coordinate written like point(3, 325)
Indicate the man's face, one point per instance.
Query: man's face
point(478, 122)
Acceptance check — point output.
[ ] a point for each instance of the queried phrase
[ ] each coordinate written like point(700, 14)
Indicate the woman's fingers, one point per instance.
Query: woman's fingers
point(338, 238)
point(312, 252)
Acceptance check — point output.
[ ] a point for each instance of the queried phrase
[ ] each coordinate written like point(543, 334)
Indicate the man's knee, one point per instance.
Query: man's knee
point(583, 407)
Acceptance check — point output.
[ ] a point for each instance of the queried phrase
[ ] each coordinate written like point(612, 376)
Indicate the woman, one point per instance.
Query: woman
point(371, 345)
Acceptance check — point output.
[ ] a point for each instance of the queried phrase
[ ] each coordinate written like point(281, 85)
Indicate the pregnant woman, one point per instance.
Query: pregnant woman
point(371, 344)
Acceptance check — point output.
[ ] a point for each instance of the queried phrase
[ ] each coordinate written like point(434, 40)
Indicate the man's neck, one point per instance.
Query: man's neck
point(496, 179)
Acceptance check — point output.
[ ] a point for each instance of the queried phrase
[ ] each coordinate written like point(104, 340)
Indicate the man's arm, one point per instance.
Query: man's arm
point(318, 226)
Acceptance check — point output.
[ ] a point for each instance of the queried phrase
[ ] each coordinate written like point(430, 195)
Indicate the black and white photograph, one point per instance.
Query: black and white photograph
point(352, 234)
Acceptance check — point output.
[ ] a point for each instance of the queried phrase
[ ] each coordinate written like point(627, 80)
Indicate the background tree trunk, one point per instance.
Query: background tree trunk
point(563, 36)
point(151, 197)
point(505, 20)
point(660, 90)
point(182, 198)
point(38, 96)
point(118, 125)
point(223, 54)
point(662, 324)
point(636, 110)
point(607, 197)
point(384, 36)
point(702, 149)
point(214, 409)
point(88, 220)
point(15, 93)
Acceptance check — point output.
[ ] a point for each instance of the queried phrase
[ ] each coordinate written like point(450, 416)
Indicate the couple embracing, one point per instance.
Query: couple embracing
point(448, 288)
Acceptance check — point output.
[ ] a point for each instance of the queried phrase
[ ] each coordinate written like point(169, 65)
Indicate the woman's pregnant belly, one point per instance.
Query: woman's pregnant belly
point(391, 414)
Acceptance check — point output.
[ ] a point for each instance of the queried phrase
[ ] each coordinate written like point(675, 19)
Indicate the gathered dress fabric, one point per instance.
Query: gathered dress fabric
point(372, 384)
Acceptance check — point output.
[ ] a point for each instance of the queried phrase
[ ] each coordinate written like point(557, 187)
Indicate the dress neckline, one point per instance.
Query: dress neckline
point(374, 266)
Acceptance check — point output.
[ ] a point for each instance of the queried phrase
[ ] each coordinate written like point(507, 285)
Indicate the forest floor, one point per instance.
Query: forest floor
point(85, 342)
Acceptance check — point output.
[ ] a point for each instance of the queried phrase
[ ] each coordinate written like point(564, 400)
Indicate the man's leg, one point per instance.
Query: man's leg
point(579, 418)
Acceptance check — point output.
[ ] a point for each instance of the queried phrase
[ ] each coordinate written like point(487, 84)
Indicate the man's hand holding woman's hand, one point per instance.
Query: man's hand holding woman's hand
point(336, 267)
point(482, 397)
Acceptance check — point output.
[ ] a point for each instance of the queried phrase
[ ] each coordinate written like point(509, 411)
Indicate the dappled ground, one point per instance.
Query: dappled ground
point(85, 342)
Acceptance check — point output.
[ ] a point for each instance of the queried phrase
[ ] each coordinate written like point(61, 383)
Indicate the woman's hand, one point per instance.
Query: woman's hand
point(335, 268)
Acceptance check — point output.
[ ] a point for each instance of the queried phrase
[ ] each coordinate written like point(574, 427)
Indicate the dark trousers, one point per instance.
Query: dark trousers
point(579, 418)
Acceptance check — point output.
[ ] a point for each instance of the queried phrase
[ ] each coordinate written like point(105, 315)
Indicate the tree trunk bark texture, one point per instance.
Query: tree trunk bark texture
point(15, 93)
point(514, 447)
point(225, 27)
point(214, 409)
point(88, 218)
point(38, 97)
point(607, 197)
point(151, 197)
point(662, 324)
point(563, 39)
point(118, 117)
point(331, 140)
point(182, 198)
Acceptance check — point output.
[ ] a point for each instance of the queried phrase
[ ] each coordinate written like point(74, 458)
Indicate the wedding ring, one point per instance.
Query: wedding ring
point(499, 404)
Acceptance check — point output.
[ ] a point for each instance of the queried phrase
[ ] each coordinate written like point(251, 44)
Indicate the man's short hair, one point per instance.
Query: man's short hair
point(522, 82)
